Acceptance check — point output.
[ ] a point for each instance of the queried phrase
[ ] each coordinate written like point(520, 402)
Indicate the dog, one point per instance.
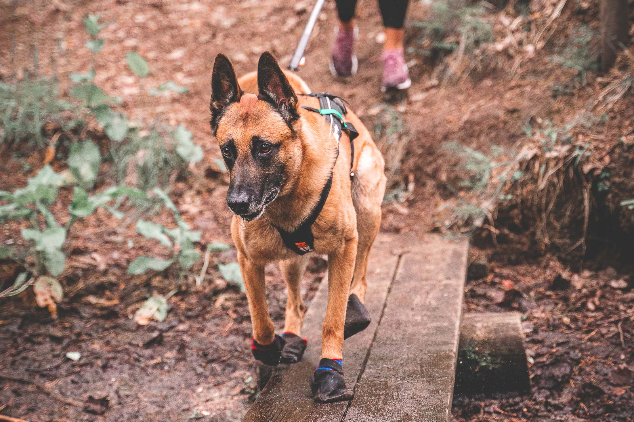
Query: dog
point(303, 178)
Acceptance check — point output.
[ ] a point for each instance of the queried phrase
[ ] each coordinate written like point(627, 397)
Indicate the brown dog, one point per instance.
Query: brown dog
point(291, 176)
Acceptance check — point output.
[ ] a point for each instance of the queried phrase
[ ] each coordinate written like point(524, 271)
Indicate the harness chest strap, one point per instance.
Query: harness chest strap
point(301, 240)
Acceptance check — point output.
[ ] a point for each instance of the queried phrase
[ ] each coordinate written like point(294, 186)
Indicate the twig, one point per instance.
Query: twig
point(199, 279)
point(555, 15)
point(44, 389)
point(10, 419)
point(619, 326)
point(497, 409)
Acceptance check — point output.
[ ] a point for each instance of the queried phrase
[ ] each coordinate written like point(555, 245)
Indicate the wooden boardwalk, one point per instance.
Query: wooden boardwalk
point(402, 367)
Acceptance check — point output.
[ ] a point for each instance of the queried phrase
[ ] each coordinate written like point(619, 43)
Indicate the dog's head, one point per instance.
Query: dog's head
point(257, 134)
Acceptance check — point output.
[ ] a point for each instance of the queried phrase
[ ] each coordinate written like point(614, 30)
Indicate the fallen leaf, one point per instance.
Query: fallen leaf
point(155, 307)
point(48, 292)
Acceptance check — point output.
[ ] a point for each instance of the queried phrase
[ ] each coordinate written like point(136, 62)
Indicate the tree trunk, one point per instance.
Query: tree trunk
point(614, 30)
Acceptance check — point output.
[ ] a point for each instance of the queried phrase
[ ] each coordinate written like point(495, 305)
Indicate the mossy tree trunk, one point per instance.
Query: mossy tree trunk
point(614, 30)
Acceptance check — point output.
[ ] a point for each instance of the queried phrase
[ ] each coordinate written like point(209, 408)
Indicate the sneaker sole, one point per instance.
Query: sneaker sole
point(403, 85)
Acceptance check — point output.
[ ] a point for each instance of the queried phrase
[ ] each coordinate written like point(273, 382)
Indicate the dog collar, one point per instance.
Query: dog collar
point(301, 240)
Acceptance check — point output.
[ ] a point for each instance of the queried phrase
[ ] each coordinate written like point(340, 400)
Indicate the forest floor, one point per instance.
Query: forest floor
point(578, 320)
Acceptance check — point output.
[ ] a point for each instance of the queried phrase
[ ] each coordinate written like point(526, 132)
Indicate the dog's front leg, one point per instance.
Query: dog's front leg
point(265, 345)
point(327, 382)
point(292, 271)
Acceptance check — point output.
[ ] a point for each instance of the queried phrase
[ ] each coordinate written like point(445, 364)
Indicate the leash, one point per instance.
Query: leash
point(298, 57)
point(301, 240)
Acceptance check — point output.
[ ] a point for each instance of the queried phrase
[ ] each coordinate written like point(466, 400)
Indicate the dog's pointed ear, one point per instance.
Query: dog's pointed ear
point(275, 88)
point(224, 88)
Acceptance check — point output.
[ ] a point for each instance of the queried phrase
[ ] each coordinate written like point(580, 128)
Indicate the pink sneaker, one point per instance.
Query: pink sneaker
point(344, 62)
point(395, 74)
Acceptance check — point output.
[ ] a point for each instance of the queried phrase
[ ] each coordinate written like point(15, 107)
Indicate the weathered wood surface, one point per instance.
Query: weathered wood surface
point(410, 372)
point(402, 366)
point(491, 355)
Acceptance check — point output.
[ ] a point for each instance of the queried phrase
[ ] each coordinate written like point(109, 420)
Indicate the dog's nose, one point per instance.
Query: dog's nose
point(238, 200)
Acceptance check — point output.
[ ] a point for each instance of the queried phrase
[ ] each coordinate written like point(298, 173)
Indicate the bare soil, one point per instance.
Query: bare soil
point(197, 363)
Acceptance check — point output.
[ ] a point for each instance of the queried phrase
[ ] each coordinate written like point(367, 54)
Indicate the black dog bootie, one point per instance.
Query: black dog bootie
point(327, 382)
point(294, 348)
point(269, 354)
point(357, 317)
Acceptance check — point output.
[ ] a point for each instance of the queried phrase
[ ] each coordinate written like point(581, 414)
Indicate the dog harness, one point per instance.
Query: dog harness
point(301, 240)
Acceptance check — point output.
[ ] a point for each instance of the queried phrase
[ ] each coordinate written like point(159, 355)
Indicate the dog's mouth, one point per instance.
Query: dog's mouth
point(252, 216)
point(268, 198)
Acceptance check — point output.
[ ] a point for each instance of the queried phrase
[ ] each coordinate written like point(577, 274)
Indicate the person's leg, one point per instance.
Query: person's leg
point(344, 62)
point(345, 10)
point(395, 74)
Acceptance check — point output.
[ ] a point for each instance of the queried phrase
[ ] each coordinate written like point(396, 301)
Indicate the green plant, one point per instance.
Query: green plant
point(149, 157)
point(390, 133)
point(449, 17)
point(41, 251)
point(44, 242)
point(25, 109)
point(476, 165)
point(479, 181)
point(578, 54)
point(180, 240)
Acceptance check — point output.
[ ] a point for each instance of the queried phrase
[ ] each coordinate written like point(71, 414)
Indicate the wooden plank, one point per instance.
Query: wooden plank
point(410, 372)
point(287, 396)
point(497, 339)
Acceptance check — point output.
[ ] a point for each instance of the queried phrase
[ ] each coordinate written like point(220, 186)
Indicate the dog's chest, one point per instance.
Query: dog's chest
point(262, 242)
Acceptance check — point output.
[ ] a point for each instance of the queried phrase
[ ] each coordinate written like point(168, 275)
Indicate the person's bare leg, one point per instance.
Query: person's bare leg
point(393, 39)
point(395, 74)
point(347, 26)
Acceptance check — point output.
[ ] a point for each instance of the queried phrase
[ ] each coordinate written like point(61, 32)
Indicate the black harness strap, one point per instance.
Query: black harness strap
point(301, 240)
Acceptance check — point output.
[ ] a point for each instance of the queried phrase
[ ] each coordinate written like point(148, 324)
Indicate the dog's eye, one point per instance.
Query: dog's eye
point(226, 151)
point(265, 148)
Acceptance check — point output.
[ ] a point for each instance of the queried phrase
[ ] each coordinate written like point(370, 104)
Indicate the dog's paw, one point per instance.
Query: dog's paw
point(357, 317)
point(293, 349)
point(269, 354)
point(327, 383)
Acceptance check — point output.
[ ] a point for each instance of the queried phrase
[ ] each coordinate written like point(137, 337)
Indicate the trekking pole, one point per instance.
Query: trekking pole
point(298, 57)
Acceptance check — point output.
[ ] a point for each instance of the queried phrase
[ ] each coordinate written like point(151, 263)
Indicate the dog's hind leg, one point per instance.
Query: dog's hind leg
point(265, 346)
point(367, 195)
point(294, 347)
point(368, 224)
